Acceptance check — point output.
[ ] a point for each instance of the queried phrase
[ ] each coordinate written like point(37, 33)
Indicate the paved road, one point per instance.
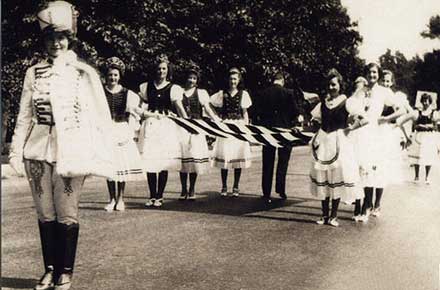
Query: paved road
point(218, 243)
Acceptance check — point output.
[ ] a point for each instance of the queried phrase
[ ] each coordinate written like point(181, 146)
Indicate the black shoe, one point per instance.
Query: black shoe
point(323, 221)
point(224, 192)
point(283, 196)
point(46, 282)
point(266, 199)
point(183, 195)
point(192, 195)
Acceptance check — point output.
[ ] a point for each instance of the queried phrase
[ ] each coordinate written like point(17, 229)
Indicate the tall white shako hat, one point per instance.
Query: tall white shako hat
point(60, 15)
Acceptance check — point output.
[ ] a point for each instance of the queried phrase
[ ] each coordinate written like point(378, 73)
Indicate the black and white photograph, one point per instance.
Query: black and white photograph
point(220, 144)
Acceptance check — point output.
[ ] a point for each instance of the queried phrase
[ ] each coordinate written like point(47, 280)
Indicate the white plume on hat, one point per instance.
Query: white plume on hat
point(59, 14)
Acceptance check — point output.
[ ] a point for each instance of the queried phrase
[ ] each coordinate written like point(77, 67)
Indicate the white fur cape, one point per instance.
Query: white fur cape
point(82, 120)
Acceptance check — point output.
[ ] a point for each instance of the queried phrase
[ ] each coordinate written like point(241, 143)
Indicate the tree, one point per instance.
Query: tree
point(304, 37)
point(427, 70)
point(419, 73)
point(433, 28)
point(403, 70)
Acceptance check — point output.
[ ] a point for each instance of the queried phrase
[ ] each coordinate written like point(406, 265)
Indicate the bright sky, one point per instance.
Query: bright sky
point(393, 24)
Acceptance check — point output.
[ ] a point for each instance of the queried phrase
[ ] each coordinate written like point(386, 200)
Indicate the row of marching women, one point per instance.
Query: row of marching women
point(161, 144)
point(357, 151)
point(422, 139)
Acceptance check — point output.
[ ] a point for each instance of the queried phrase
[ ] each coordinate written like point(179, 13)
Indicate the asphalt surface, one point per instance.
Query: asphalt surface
point(227, 243)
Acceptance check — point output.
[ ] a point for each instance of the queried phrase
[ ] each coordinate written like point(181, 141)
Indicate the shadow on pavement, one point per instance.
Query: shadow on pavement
point(309, 214)
point(18, 283)
point(281, 218)
point(247, 205)
point(319, 208)
point(297, 174)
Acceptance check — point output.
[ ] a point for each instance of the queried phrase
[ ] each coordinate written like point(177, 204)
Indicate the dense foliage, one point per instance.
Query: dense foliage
point(303, 37)
point(418, 73)
point(403, 70)
point(433, 31)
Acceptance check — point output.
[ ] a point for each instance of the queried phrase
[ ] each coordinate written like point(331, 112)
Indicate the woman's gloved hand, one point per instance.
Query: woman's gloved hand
point(18, 165)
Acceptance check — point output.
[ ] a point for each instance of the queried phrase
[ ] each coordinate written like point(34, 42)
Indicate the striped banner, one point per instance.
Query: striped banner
point(266, 136)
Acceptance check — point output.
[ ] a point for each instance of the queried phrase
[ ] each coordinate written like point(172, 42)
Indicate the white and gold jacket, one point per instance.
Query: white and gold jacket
point(64, 119)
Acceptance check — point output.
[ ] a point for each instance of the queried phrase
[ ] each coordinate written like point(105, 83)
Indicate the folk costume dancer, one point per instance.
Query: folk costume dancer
point(230, 153)
point(160, 137)
point(334, 173)
point(373, 148)
point(195, 154)
point(426, 144)
point(122, 103)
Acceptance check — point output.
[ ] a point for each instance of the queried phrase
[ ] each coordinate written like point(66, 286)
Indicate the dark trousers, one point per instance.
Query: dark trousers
point(268, 166)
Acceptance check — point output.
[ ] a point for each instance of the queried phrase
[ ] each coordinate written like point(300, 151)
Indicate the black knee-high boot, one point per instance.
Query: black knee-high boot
point(163, 178)
point(357, 207)
point(416, 171)
point(379, 192)
point(325, 204)
point(48, 243)
point(335, 206)
point(121, 189)
point(427, 169)
point(224, 175)
point(111, 185)
point(237, 175)
point(192, 185)
point(184, 183)
point(67, 244)
point(152, 184)
point(368, 199)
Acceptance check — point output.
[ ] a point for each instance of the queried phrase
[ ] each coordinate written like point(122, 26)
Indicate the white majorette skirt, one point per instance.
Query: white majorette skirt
point(334, 172)
point(424, 149)
point(159, 145)
point(230, 152)
point(127, 160)
point(195, 153)
point(378, 151)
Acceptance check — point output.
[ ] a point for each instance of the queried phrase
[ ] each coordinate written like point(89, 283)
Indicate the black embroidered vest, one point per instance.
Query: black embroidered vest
point(232, 106)
point(192, 105)
point(424, 120)
point(159, 99)
point(334, 119)
point(118, 104)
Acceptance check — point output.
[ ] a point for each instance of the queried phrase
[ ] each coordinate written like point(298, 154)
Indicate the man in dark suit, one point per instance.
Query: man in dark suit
point(276, 107)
